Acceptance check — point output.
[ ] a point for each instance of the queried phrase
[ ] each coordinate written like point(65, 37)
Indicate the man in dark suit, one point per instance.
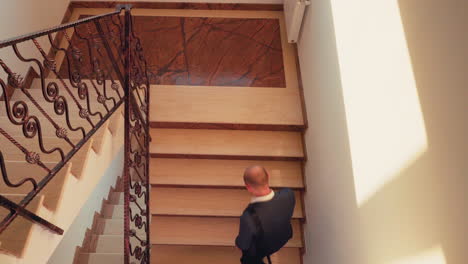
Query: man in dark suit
point(265, 225)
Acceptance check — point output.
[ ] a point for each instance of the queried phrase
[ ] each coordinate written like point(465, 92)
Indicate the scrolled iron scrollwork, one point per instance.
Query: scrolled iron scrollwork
point(52, 113)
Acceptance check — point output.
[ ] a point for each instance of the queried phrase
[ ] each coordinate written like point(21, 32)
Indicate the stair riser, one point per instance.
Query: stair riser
point(205, 172)
point(231, 144)
point(116, 198)
point(205, 202)
point(113, 211)
point(206, 231)
point(164, 254)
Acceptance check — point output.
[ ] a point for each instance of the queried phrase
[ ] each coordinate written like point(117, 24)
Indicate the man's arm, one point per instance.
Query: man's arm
point(292, 198)
point(246, 233)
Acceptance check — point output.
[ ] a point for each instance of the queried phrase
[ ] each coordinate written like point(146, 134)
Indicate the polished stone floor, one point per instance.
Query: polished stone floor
point(207, 51)
point(213, 51)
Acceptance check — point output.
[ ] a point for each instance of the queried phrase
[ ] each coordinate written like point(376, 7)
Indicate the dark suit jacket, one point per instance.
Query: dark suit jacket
point(275, 216)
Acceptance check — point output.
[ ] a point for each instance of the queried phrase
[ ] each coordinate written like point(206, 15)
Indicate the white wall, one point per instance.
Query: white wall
point(330, 207)
point(386, 93)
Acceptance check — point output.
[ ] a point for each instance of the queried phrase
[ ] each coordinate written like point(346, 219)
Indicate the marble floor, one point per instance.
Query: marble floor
point(212, 51)
point(227, 48)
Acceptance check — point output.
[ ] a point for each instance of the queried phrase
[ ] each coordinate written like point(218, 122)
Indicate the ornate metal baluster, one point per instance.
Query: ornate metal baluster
point(30, 124)
point(18, 114)
point(75, 77)
point(51, 93)
point(136, 181)
point(52, 66)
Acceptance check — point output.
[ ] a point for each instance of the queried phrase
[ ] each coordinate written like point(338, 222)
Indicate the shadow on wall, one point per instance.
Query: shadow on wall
point(426, 204)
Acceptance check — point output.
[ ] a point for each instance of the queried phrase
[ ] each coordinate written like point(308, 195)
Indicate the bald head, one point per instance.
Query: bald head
point(256, 176)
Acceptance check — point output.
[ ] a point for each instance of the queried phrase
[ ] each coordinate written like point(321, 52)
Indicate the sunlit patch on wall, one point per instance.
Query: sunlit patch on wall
point(384, 118)
point(433, 255)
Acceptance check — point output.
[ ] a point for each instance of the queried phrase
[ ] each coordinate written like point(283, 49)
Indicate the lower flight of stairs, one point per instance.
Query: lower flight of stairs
point(198, 192)
point(104, 242)
point(60, 201)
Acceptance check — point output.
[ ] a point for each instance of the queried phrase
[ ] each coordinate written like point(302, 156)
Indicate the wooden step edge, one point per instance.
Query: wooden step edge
point(223, 157)
point(214, 245)
point(218, 186)
point(298, 218)
point(227, 126)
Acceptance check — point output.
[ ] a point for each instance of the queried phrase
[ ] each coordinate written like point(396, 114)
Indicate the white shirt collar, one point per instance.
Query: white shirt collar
point(265, 198)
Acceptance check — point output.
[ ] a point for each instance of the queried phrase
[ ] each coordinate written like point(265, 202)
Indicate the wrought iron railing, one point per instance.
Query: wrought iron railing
point(85, 71)
point(137, 215)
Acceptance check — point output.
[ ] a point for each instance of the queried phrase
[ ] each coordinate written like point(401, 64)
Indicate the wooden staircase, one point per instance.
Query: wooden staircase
point(203, 137)
point(198, 192)
point(104, 241)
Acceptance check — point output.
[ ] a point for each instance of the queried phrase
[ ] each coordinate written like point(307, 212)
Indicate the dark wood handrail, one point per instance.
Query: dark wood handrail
point(41, 33)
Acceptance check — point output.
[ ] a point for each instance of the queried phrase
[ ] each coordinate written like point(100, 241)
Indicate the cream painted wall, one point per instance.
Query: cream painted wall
point(330, 230)
point(25, 16)
point(386, 90)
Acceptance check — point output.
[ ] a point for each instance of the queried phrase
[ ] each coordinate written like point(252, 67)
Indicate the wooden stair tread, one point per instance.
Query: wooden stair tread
point(109, 243)
point(170, 254)
point(100, 258)
point(238, 143)
point(236, 105)
point(110, 226)
point(204, 231)
point(206, 172)
point(204, 202)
